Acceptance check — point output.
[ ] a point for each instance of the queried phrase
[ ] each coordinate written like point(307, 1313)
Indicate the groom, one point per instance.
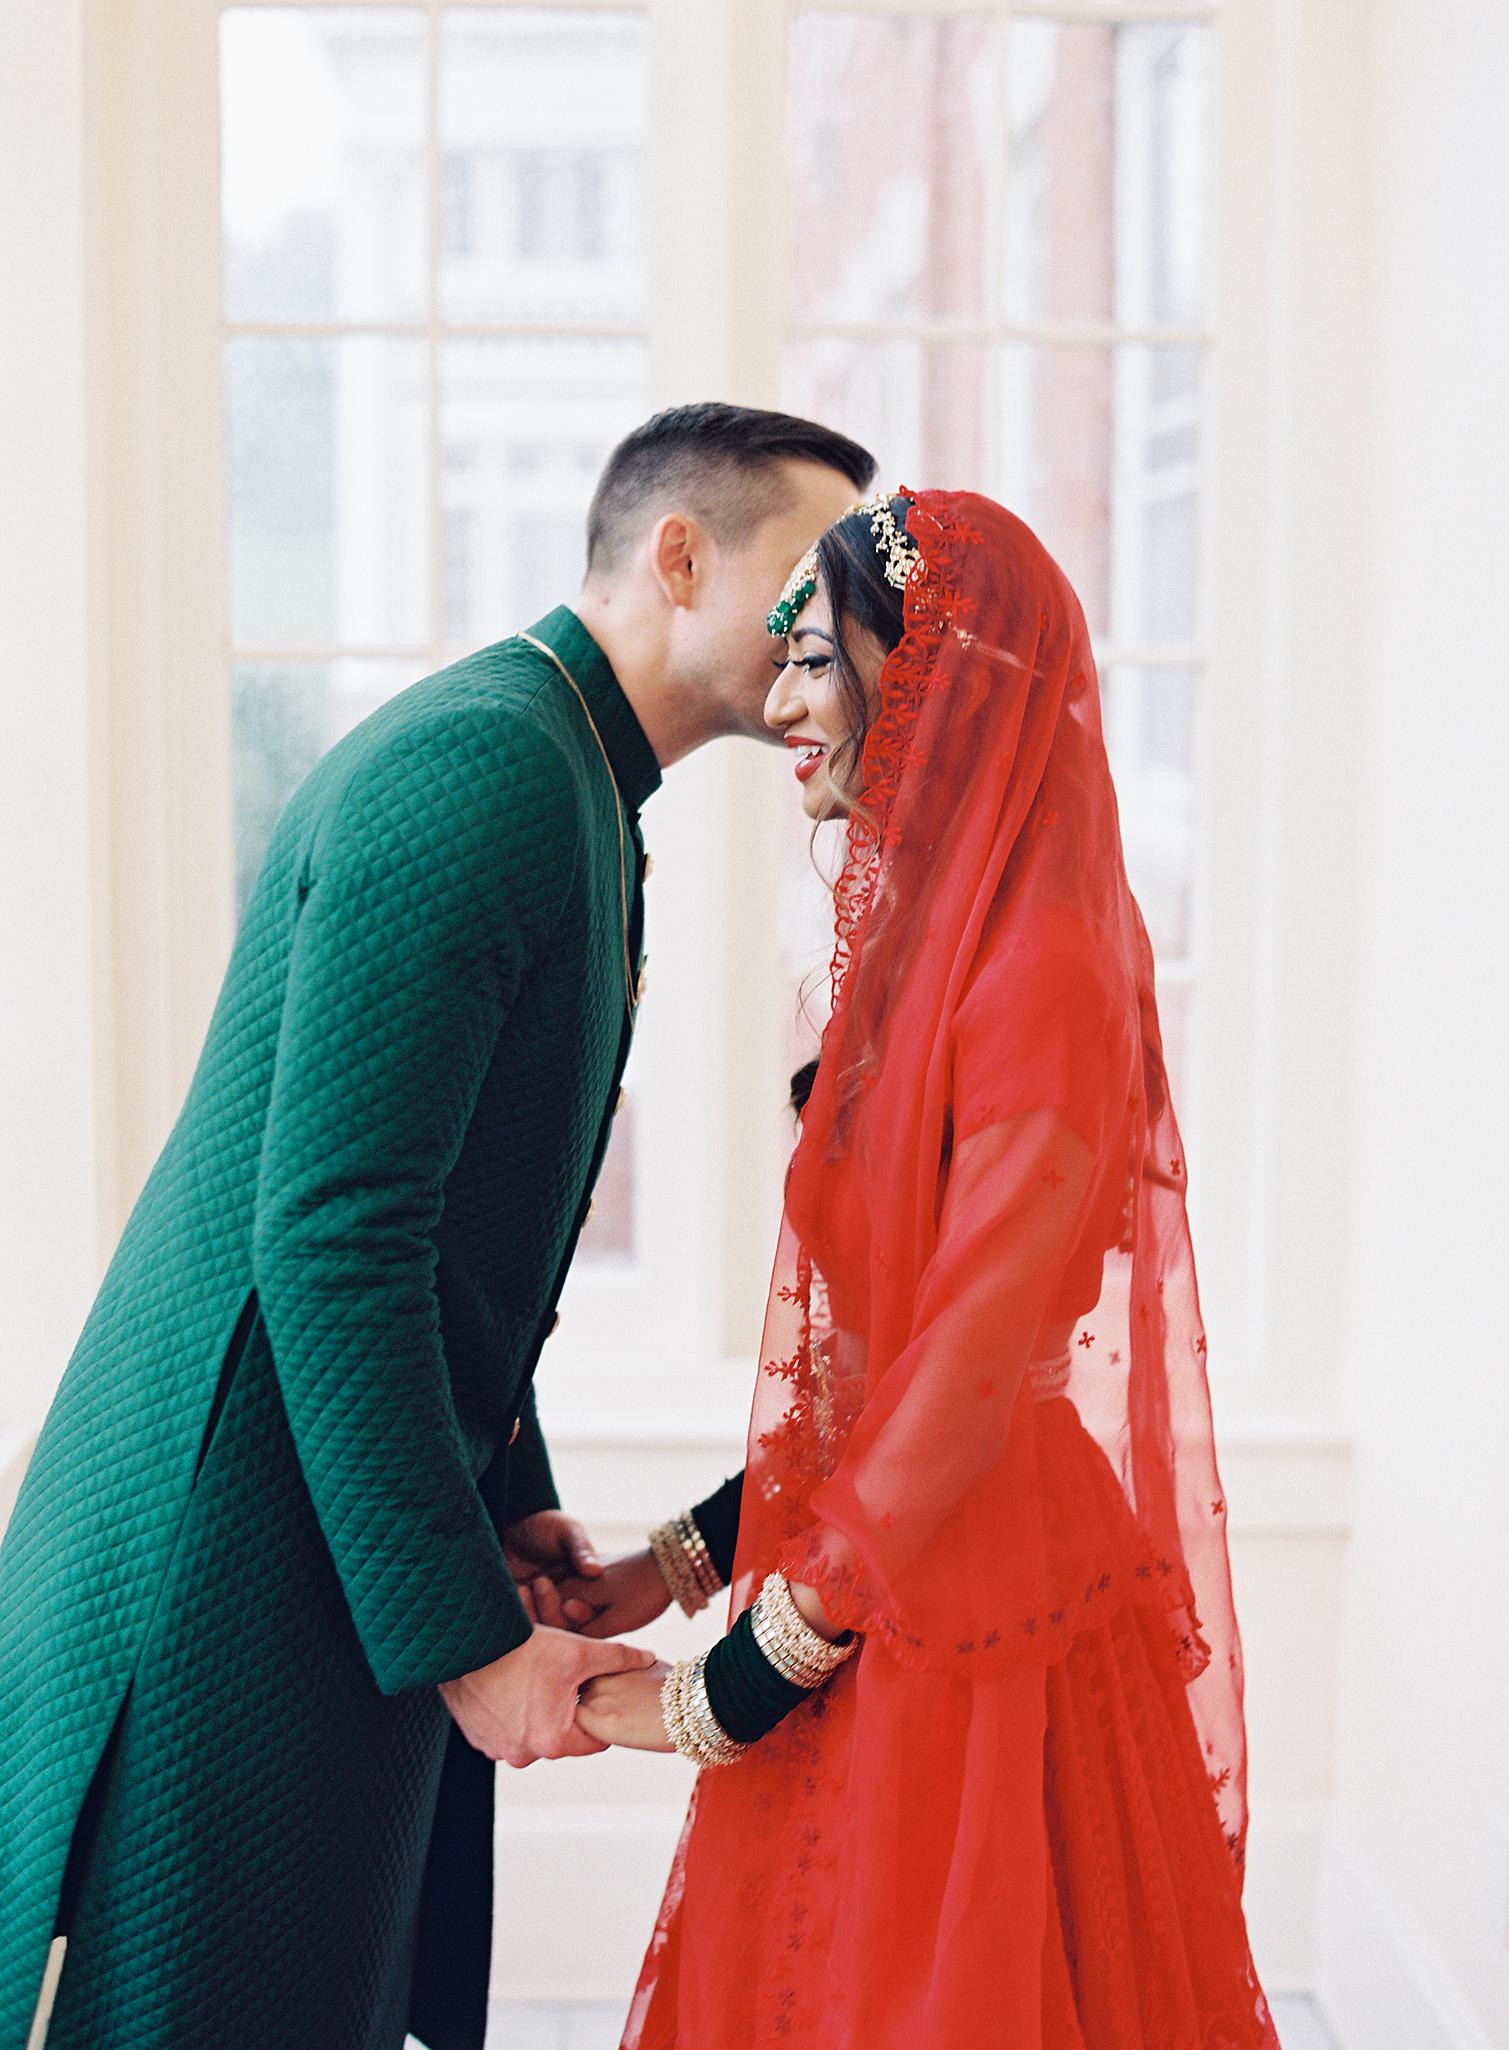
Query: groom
point(260, 1639)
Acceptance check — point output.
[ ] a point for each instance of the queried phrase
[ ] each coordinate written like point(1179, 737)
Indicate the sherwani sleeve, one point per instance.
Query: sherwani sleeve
point(418, 922)
point(717, 1517)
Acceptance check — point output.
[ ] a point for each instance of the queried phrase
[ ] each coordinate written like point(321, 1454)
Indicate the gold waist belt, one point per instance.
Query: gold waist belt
point(1050, 1377)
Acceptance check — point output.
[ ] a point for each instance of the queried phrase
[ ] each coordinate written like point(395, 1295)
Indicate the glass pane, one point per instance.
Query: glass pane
point(920, 406)
point(1100, 453)
point(1165, 99)
point(1149, 715)
point(544, 120)
point(1108, 197)
point(889, 129)
point(323, 190)
point(329, 534)
point(526, 427)
point(284, 715)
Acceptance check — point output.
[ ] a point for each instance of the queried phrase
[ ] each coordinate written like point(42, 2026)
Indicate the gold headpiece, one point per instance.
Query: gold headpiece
point(895, 547)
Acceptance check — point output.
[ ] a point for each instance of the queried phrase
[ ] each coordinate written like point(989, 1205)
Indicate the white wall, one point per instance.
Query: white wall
point(49, 1222)
point(1414, 1941)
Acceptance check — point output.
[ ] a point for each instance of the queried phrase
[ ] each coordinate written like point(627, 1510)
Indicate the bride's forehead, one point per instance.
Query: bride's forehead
point(817, 611)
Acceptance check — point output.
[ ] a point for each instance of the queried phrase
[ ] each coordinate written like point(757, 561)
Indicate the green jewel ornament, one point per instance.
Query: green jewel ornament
point(800, 585)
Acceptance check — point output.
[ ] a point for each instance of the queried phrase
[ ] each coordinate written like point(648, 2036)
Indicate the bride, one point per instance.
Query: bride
point(973, 1749)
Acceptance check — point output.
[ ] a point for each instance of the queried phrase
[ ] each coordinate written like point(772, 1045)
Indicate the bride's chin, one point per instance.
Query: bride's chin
point(820, 801)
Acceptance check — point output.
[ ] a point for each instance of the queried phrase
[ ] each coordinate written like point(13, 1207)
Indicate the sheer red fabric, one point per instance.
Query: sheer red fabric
point(982, 1426)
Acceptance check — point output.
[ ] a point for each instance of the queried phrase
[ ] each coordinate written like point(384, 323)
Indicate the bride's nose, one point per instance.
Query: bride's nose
point(783, 704)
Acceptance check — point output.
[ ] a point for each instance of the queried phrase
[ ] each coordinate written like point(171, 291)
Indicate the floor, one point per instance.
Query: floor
point(533, 2027)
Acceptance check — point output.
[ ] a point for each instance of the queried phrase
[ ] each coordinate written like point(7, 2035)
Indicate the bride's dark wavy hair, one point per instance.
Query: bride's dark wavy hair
point(863, 601)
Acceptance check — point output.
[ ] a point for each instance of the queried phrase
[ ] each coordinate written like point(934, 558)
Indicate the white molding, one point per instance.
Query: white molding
point(1380, 1981)
point(1285, 1476)
point(164, 813)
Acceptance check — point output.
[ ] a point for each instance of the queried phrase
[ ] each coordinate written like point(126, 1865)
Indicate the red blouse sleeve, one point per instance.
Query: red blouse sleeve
point(929, 1531)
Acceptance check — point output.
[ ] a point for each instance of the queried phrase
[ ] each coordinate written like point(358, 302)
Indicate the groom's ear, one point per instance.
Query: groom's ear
point(677, 548)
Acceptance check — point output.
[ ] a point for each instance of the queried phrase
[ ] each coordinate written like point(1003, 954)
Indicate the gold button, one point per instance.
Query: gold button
point(618, 1103)
point(639, 987)
point(591, 1206)
point(515, 1431)
point(555, 1321)
point(649, 864)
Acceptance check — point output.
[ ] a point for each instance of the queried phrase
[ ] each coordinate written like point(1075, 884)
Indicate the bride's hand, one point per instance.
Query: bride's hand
point(624, 1709)
point(624, 1595)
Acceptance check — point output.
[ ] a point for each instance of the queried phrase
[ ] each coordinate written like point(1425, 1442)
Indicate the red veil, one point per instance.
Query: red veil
point(982, 1426)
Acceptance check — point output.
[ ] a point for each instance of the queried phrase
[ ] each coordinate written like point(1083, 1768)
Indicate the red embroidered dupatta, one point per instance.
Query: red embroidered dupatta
point(985, 1213)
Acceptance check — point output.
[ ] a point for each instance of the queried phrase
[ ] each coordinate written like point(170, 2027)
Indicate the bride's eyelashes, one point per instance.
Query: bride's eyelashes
point(811, 663)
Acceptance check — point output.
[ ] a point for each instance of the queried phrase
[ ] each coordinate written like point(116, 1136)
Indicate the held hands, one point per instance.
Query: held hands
point(624, 1709)
point(626, 1594)
point(523, 1706)
point(564, 1585)
point(550, 1550)
point(549, 1707)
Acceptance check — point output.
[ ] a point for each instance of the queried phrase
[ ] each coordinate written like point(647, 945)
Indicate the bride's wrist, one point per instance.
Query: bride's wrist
point(684, 1562)
point(691, 1726)
point(810, 1608)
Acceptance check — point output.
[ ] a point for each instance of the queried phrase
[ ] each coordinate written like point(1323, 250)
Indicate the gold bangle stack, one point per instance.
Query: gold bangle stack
point(689, 1720)
point(799, 1653)
point(686, 1564)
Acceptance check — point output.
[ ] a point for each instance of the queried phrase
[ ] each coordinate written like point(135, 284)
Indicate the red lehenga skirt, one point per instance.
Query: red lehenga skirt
point(1064, 1884)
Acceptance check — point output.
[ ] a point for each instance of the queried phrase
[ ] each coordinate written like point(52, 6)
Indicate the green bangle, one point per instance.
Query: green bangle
point(746, 1692)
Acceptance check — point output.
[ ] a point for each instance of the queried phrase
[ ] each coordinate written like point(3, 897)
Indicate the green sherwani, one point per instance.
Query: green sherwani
point(263, 1517)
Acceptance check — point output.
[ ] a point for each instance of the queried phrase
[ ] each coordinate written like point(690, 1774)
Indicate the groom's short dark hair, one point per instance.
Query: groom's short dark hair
point(722, 463)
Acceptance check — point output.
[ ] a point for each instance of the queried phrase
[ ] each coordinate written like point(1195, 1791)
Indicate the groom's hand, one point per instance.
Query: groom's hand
point(543, 1550)
point(624, 1595)
point(523, 1706)
point(626, 1710)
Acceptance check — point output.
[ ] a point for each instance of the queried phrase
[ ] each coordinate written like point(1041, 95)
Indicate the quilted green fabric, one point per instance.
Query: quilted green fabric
point(263, 1516)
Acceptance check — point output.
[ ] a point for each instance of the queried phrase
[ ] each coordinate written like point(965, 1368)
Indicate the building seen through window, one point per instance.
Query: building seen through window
point(435, 297)
point(1013, 295)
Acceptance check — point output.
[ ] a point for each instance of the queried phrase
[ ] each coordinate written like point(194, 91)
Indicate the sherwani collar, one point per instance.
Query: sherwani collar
point(635, 769)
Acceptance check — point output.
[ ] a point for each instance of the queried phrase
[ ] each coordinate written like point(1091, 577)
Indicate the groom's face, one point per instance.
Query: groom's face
point(747, 580)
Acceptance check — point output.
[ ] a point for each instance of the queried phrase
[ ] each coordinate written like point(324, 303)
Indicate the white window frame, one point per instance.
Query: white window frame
point(664, 1349)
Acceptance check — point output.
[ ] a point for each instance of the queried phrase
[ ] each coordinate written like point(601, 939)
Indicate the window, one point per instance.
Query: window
point(466, 245)
point(1011, 286)
point(430, 346)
